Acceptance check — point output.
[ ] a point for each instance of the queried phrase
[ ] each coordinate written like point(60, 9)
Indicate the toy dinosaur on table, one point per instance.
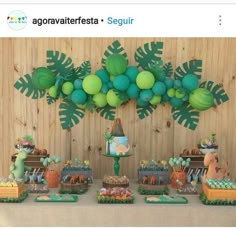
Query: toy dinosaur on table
point(18, 167)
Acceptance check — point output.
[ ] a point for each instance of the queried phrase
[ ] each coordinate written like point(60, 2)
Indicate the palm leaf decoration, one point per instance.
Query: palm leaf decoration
point(186, 116)
point(157, 70)
point(217, 91)
point(121, 95)
point(90, 104)
point(143, 112)
point(25, 86)
point(70, 114)
point(192, 67)
point(114, 48)
point(106, 112)
point(149, 54)
point(50, 99)
point(168, 69)
point(79, 72)
point(58, 63)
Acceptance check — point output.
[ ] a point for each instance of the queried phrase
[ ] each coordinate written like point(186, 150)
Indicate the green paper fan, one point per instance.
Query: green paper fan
point(58, 63)
point(168, 69)
point(149, 54)
point(217, 91)
point(186, 116)
point(107, 112)
point(50, 99)
point(25, 86)
point(70, 114)
point(114, 48)
point(143, 112)
point(192, 67)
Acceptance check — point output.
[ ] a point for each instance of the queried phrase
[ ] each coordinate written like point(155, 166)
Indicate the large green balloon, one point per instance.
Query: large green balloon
point(121, 82)
point(201, 99)
point(132, 73)
point(190, 82)
point(78, 96)
point(116, 64)
point(133, 91)
point(145, 80)
point(43, 78)
point(100, 100)
point(112, 99)
point(92, 84)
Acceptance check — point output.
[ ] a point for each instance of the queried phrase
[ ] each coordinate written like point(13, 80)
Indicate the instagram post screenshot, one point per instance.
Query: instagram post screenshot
point(117, 113)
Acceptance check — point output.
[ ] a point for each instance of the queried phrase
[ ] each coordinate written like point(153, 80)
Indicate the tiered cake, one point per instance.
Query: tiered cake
point(116, 141)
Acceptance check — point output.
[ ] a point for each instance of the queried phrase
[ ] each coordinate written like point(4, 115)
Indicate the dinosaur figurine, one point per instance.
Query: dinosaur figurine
point(18, 167)
point(214, 172)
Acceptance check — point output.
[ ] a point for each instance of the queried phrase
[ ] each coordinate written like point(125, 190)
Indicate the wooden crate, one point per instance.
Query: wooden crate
point(33, 161)
point(12, 192)
point(222, 194)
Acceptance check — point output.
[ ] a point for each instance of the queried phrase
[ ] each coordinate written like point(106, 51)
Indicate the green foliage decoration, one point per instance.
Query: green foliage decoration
point(69, 114)
point(25, 86)
point(143, 112)
point(149, 54)
point(120, 83)
point(217, 91)
point(192, 67)
point(186, 116)
point(114, 48)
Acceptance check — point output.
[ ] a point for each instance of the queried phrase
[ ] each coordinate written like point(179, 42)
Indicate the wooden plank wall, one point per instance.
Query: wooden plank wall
point(156, 137)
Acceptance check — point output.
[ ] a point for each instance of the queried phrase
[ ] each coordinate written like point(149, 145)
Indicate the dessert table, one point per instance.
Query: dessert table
point(87, 212)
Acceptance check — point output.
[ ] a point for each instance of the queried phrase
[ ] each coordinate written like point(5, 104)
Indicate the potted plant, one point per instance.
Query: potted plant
point(178, 165)
point(51, 175)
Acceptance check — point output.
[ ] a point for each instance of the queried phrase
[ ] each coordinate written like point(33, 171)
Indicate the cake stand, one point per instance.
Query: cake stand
point(116, 158)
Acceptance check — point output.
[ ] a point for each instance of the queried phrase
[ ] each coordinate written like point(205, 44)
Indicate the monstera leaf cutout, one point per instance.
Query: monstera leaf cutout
point(50, 99)
point(114, 48)
point(90, 104)
point(58, 63)
point(106, 112)
point(25, 86)
point(191, 67)
point(149, 54)
point(121, 95)
point(79, 72)
point(143, 112)
point(70, 114)
point(168, 69)
point(186, 116)
point(217, 91)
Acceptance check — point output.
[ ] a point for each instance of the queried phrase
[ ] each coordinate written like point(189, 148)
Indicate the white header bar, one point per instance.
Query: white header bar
point(117, 20)
point(117, 1)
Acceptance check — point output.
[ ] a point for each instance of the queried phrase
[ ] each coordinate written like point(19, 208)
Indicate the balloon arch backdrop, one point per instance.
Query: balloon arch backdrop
point(151, 83)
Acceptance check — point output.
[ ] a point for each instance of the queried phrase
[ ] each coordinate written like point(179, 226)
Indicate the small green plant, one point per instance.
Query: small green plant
point(50, 162)
point(179, 164)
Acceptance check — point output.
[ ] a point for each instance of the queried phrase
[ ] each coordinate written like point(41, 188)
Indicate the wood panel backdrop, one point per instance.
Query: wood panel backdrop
point(155, 137)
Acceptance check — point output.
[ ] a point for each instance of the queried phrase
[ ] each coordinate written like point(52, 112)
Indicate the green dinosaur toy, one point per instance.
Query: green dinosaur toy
point(18, 167)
